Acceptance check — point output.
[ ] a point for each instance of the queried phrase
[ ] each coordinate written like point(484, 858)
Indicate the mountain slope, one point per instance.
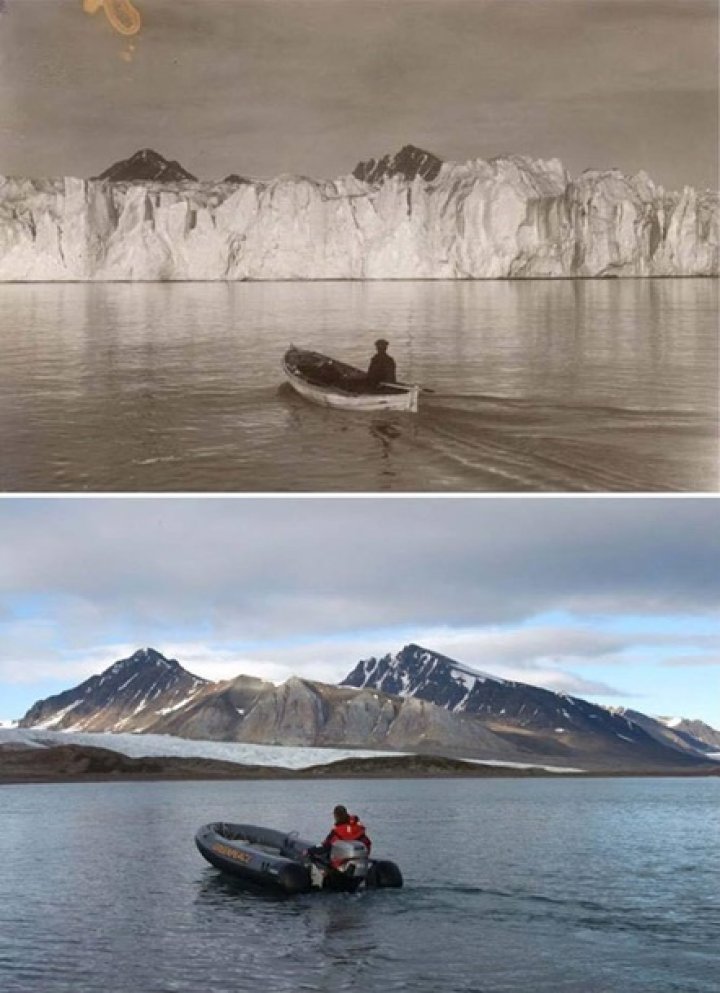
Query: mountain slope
point(302, 712)
point(695, 733)
point(128, 696)
point(525, 715)
point(217, 713)
point(663, 733)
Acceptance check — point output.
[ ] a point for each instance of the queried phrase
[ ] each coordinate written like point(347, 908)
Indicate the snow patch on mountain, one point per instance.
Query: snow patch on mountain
point(57, 717)
point(179, 705)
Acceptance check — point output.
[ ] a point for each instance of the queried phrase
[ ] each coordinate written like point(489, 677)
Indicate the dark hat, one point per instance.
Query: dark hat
point(340, 814)
point(381, 343)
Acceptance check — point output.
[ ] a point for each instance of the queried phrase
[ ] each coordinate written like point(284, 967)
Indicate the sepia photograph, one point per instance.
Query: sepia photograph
point(359, 246)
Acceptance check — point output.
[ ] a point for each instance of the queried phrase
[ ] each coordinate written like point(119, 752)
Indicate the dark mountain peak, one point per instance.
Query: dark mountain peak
point(145, 657)
point(140, 687)
point(417, 657)
point(146, 166)
point(148, 655)
point(234, 180)
point(420, 672)
point(504, 706)
point(409, 162)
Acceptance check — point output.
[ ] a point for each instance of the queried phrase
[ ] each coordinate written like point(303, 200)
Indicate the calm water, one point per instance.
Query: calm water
point(549, 386)
point(518, 886)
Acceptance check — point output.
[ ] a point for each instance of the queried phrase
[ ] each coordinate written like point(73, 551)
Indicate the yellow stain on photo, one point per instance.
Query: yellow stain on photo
point(123, 16)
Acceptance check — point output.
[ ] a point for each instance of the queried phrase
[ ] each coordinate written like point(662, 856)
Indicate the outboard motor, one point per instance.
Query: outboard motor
point(350, 860)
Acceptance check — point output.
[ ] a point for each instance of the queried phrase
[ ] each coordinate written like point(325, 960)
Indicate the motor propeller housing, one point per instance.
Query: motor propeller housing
point(351, 858)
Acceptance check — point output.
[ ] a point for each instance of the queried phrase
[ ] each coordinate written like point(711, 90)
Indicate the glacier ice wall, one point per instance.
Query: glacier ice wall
point(505, 218)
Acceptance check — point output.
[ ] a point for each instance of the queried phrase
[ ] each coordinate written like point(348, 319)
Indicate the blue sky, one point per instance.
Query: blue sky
point(613, 599)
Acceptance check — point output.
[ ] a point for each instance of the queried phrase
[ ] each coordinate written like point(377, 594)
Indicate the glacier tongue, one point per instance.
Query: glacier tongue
point(504, 218)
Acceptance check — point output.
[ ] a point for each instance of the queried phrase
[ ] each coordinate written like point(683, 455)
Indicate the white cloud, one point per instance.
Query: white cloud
point(292, 586)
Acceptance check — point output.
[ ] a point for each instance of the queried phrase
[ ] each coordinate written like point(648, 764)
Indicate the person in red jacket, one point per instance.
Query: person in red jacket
point(347, 827)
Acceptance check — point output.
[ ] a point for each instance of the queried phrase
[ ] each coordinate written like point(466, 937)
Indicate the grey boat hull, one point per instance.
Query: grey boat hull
point(278, 861)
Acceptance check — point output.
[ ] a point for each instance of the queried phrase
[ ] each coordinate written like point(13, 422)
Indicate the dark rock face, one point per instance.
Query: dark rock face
point(409, 162)
point(234, 180)
point(146, 166)
point(128, 696)
point(517, 711)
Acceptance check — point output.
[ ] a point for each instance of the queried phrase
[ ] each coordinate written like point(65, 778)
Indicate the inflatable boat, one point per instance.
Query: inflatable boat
point(273, 860)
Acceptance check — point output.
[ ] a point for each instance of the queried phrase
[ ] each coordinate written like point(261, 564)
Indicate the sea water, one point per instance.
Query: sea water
point(511, 886)
point(565, 385)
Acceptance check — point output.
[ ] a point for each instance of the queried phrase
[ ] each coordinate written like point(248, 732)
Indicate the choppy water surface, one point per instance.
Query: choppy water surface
point(540, 386)
point(519, 886)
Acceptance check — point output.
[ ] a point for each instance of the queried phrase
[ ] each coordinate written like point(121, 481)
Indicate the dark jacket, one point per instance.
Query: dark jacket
point(381, 369)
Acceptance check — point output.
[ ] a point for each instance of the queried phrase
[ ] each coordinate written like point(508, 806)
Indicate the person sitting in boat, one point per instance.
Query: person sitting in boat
point(347, 827)
point(382, 365)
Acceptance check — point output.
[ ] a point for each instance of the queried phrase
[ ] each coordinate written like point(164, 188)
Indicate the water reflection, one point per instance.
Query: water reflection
point(540, 386)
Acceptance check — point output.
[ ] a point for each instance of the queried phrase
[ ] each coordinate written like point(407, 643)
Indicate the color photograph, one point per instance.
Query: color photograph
point(480, 754)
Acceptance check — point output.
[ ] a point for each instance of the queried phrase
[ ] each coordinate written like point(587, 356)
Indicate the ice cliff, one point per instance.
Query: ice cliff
point(507, 217)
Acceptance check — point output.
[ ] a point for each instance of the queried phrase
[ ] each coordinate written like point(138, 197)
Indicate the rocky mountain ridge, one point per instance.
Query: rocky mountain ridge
point(694, 736)
point(146, 693)
point(416, 701)
point(132, 694)
point(402, 216)
point(515, 711)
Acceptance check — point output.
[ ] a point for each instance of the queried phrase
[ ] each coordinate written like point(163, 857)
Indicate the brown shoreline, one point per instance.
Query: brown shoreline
point(78, 764)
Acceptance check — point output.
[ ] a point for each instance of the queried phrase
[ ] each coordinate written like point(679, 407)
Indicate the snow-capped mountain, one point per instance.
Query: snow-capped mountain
point(151, 694)
point(416, 701)
point(697, 732)
point(670, 731)
point(131, 695)
point(404, 216)
point(516, 711)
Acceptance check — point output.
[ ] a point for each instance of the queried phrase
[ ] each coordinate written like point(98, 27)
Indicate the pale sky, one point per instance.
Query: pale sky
point(613, 599)
point(265, 87)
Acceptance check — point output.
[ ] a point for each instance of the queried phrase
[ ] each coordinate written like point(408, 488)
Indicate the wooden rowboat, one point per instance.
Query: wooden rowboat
point(334, 384)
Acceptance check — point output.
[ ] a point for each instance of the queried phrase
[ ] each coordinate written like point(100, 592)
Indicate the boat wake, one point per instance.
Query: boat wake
point(477, 442)
point(508, 444)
